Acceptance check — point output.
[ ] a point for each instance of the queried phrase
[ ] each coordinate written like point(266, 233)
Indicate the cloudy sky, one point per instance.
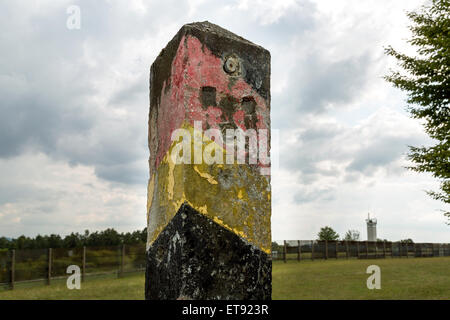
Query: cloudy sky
point(74, 112)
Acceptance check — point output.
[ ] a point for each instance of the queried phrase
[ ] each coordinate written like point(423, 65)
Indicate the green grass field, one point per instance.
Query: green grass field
point(421, 278)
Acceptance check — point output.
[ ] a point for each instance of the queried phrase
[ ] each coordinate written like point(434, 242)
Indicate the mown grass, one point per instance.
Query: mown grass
point(420, 278)
point(108, 287)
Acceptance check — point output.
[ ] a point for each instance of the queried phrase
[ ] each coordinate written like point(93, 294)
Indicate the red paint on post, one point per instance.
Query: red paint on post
point(195, 67)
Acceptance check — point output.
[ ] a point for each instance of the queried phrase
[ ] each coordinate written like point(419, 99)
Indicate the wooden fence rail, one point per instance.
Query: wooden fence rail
point(316, 249)
point(31, 265)
point(45, 265)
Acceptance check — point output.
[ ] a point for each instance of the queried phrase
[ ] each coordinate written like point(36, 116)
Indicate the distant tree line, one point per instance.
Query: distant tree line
point(111, 237)
point(329, 234)
point(108, 237)
point(276, 247)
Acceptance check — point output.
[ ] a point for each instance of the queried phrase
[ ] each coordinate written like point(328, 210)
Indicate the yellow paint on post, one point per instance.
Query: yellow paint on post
point(150, 189)
point(205, 175)
point(236, 196)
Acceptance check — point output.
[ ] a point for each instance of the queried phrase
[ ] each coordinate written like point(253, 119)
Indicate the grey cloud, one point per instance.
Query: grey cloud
point(320, 133)
point(33, 120)
point(349, 154)
point(136, 90)
point(379, 154)
point(306, 195)
point(335, 83)
point(134, 173)
point(11, 192)
point(297, 21)
point(49, 81)
point(317, 85)
point(330, 143)
point(315, 143)
point(47, 86)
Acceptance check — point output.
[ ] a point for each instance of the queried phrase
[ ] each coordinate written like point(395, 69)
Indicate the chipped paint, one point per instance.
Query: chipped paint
point(236, 196)
point(194, 67)
point(150, 192)
point(208, 192)
point(205, 175)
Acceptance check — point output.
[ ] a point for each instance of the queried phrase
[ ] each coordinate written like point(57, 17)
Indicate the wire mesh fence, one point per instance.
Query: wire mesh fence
point(135, 258)
point(5, 268)
point(31, 264)
point(34, 265)
point(102, 259)
point(61, 258)
point(318, 249)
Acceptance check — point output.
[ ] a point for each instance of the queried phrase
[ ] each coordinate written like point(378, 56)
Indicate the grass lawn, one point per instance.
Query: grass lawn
point(415, 278)
point(130, 287)
point(420, 278)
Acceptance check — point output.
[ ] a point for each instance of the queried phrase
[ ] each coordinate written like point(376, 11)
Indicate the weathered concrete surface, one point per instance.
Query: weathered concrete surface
point(190, 82)
point(196, 258)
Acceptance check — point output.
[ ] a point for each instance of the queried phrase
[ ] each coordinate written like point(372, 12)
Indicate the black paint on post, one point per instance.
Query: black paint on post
point(195, 258)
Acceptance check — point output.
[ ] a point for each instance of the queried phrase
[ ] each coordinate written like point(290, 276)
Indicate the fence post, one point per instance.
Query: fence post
point(122, 261)
point(13, 268)
point(367, 249)
point(83, 265)
point(346, 249)
point(357, 248)
point(312, 250)
point(49, 269)
point(384, 249)
point(299, 251)
point(326, 249)
point(337, 248)
point(407, 247)
point(376, 250)
point(285, 251)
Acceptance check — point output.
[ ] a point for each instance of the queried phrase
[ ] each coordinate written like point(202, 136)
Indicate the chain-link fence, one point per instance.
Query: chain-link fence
point(33, 265)
point(317, 249)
